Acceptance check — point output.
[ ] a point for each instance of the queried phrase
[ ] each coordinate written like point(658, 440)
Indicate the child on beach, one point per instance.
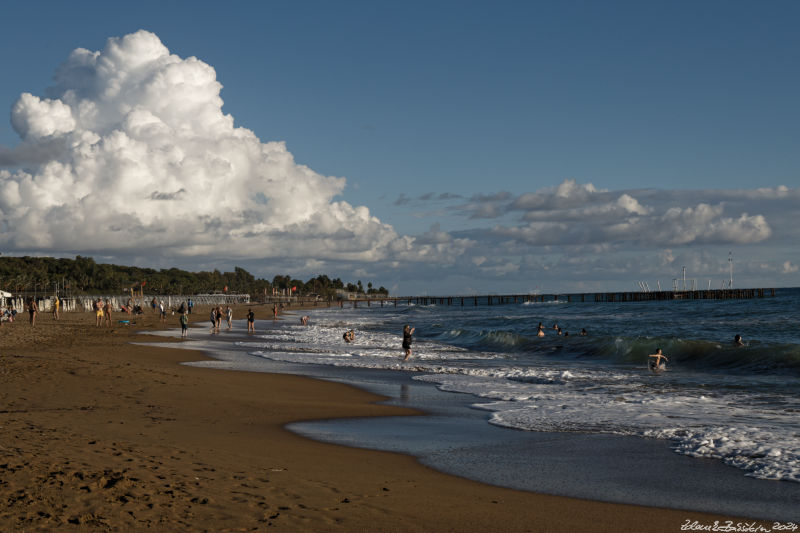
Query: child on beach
point(184, 325)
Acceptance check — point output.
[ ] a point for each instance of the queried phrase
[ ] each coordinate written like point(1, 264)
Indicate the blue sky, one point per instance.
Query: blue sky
point(442, 115)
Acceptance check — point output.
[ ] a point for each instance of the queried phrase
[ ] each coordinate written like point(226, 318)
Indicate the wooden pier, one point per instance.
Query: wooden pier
point(610, 297)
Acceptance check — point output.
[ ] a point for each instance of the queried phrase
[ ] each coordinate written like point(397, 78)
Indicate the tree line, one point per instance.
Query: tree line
point(83, 275)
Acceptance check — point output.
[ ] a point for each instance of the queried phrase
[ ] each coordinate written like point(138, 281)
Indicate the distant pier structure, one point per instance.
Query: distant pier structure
point(501, 299)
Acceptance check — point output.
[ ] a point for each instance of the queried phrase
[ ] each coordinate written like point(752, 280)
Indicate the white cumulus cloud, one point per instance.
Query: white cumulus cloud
point(143, 158)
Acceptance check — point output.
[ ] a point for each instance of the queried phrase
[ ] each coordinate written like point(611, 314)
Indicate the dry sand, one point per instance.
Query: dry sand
point(98, 434)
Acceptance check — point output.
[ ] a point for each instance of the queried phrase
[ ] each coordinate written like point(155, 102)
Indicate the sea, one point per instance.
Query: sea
point(732, 405)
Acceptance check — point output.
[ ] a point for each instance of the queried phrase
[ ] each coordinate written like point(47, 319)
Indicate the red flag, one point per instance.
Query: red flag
point(144, 283)
point(294, 289)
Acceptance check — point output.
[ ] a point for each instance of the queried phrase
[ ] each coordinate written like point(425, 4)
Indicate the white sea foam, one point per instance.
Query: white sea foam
point(704, 415)
point(763, 442)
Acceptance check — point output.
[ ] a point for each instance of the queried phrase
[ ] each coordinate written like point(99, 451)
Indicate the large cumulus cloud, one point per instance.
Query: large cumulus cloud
point(131, 150)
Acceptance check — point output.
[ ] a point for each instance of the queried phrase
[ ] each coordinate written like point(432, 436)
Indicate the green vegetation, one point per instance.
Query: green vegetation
point(83, 276)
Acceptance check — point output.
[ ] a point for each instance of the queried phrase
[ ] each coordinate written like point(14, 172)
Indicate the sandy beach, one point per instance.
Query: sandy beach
point(100, 434)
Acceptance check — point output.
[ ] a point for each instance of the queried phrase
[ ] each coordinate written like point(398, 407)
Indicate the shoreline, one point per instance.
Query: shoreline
point(456, 437)
point(103, 433)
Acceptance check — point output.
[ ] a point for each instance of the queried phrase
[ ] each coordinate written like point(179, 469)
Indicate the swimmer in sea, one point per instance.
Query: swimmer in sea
point(540, 332)
point(349, 336)
point(655, 363)
point(737, 341)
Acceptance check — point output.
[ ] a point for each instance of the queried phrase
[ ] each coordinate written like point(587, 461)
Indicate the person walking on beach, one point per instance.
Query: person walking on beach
point(33, 310)
point(251, 321)
point(107, 312)
point(213, 318)
point(190, 305)
point(184, 325)
point(408, 331)
point(229, 316)
point(655, 363)
point(56, 304)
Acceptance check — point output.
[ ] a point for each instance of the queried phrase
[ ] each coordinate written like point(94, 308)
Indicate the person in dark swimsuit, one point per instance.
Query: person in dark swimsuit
point(33, 310)
point(251, 321)
point(408, 331)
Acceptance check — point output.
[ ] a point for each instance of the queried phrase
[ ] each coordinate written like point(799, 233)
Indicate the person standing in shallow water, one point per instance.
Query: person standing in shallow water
point(408, 331)
point(184, 324)
point(251, 321)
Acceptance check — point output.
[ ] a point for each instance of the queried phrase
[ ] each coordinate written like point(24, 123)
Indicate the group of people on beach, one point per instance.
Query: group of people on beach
point(8, 314)
point(217, 314)
point(102, 312)
point(216, 317)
